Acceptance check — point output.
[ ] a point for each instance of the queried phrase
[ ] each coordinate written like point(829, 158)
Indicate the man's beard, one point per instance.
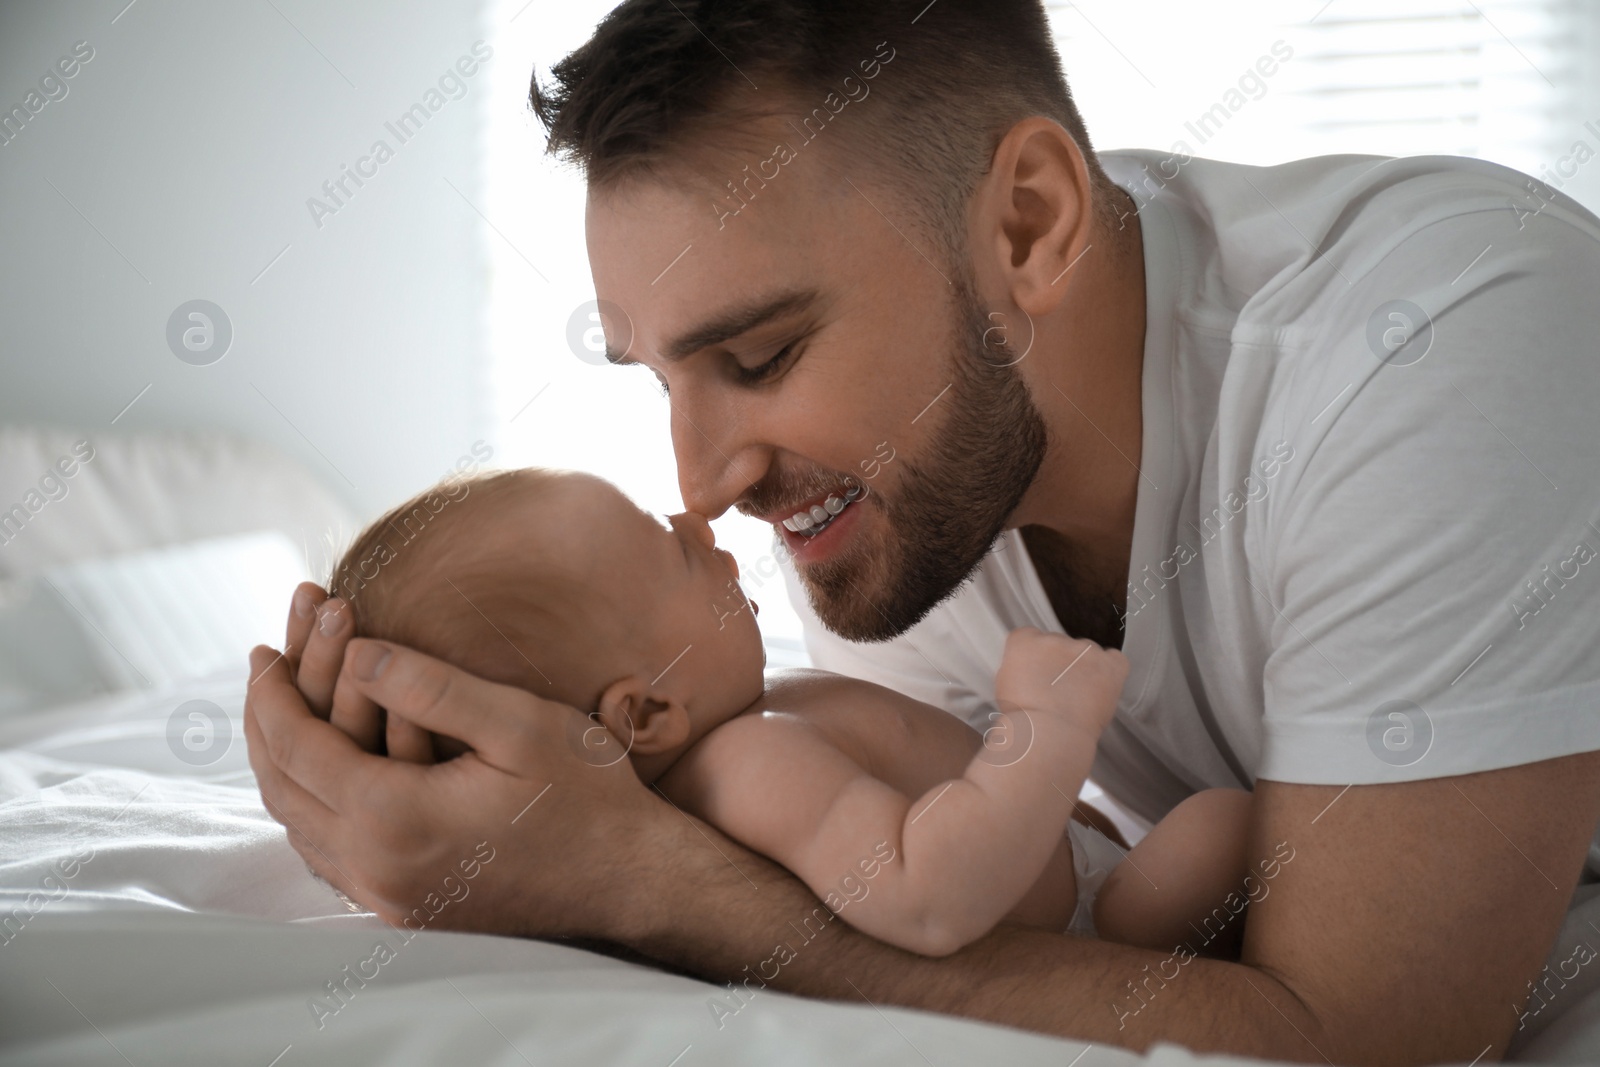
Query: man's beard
point(950, 504)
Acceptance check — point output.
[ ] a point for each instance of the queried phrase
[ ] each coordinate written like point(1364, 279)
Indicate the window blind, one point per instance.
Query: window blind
point(1500, 79)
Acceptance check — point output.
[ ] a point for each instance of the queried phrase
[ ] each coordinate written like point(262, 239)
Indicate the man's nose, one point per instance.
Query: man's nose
point(714, 470)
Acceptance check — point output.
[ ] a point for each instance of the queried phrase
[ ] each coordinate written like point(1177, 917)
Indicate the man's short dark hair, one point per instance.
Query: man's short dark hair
point(661, 79)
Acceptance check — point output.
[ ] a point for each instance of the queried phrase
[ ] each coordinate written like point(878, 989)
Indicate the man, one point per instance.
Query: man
point(1308, 443)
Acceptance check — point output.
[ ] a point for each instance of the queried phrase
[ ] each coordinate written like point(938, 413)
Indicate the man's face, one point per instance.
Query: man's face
point(827, 370)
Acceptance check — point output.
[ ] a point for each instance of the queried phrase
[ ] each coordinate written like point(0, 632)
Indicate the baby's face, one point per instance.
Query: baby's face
point(689, 618)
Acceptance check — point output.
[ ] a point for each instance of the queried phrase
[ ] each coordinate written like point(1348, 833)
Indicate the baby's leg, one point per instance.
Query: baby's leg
point(1172, 886)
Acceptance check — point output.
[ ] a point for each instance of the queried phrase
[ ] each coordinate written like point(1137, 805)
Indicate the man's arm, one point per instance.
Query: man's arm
point(1404, 929)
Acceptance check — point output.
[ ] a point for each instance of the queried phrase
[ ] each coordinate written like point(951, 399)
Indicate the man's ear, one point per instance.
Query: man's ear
point(1035, 212)
point(646, 721)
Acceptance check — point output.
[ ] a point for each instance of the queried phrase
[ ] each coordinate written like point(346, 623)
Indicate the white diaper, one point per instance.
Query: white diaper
point(1093, 856)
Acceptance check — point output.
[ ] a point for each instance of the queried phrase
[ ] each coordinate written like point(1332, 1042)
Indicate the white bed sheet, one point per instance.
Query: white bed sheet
point(194, 934)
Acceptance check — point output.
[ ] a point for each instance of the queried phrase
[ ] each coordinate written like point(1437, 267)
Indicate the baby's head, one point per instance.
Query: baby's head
point(557, 583)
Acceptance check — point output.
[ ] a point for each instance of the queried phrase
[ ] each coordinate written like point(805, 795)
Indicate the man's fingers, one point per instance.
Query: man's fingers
point(408, 741)
point(310, 752)
point(278, 791)
point(324, 652)
point(357, 716)
point(262, 661)
point(503, 724)
point(298, 812)
point(317, 863)
point(302, 617)
point(322, 866)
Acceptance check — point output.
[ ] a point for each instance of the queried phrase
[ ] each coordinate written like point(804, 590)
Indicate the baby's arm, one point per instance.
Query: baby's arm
point(966, 851)
point(975, 846)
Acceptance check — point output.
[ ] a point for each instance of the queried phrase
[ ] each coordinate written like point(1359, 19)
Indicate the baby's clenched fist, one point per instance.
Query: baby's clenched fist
point(1057, 674)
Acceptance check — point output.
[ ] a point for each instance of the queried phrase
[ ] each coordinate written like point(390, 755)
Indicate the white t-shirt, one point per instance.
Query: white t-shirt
point(1333, 551)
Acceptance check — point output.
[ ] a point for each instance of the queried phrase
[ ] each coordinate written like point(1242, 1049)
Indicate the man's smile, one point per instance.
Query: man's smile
point(813, 519)
point(819, 538)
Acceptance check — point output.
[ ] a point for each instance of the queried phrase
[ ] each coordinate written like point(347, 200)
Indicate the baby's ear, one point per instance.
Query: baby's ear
point(645, 721)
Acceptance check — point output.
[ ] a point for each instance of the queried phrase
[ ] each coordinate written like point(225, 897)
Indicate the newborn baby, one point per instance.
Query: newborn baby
point(901, 818)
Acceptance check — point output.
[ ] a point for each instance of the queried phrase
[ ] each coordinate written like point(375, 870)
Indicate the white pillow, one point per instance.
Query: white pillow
point(46, 658)
point(145, 619)
point(67, 495)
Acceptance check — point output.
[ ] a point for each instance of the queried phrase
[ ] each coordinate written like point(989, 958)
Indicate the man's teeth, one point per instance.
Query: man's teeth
point(812, 520)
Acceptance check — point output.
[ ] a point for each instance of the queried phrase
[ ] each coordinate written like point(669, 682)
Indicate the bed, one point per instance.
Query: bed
point(151, 911)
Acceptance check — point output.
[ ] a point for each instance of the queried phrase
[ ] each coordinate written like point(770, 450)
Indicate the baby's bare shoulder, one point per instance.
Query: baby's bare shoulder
point(814, 692)
point(895, 737)
point(774, 768)
point(767, 775)
point(803, 709)
point(799, 708)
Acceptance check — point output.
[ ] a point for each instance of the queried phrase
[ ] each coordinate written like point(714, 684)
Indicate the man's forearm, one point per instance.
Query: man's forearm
point(732, 916)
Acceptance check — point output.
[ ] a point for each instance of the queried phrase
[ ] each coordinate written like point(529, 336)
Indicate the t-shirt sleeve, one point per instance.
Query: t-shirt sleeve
point(1432, 577)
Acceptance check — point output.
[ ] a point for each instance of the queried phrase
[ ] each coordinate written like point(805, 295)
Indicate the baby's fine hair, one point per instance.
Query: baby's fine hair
point(421, 575)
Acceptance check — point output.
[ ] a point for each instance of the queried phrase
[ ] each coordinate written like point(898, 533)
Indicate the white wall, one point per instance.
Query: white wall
point(188, 148)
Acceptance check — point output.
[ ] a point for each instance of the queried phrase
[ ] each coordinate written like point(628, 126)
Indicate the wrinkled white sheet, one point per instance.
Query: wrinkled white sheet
point(102, 814)
point(164, 919)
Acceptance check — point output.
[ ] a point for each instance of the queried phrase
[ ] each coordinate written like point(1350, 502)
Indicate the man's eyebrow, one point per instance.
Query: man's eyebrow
point(732, 323)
